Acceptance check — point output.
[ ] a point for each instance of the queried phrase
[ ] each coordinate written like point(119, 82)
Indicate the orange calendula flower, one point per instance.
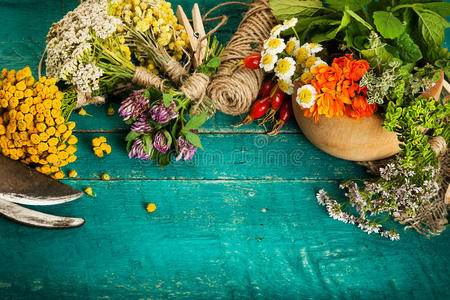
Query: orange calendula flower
point(338, 90)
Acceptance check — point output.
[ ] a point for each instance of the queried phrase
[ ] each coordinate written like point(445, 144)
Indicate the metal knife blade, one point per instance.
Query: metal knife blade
point(21, 184)
point(31, 217)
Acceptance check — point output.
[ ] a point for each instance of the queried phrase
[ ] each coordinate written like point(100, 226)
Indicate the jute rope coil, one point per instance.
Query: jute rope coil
point(234, 92)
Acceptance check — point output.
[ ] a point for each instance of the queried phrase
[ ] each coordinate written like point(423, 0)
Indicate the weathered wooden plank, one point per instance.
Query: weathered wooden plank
point(211, 239)
point(226, 156)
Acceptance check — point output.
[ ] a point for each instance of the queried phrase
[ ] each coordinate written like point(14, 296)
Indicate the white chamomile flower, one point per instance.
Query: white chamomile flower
point(268, 61)
point(292, 46)
point(314, 47)
point(302, 54)
point(285, 68)
point(290, 23)
point(275, 32)
point(306, 96)
point(274, 45)
point(286, 86)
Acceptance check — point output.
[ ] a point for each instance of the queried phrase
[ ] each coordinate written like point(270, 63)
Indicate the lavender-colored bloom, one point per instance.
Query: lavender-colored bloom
point(160, 143)
point(133, 106)
point(162, 114)
point(185, 149)
point(141, 125)
point(137, 150)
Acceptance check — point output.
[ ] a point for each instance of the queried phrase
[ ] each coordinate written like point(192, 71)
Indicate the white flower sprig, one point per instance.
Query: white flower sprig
point(69, 51)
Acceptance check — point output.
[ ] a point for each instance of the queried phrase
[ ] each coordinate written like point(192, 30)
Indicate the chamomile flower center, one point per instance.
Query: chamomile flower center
point(267, 59)
point(284, 66)
point(290, 47)
point(274, 43)
point(311, 61)
point(306, 77)
point(286, 86)
point(305, 96)
point(301, 55)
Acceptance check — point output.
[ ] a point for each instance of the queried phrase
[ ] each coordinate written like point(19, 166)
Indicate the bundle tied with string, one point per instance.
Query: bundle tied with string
point(234, 92)
point(433, 220)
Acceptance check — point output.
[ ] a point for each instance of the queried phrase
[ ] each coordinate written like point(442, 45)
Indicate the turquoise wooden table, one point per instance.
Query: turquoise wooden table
point(239, 221)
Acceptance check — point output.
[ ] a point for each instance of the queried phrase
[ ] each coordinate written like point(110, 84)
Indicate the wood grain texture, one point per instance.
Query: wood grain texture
point(209, 237)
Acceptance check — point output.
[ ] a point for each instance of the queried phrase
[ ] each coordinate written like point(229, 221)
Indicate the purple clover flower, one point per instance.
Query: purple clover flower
point(141, 125)
point(162, 114)
point(185, 149)
point(160, 143)
point(137, 150)
point(133, 106)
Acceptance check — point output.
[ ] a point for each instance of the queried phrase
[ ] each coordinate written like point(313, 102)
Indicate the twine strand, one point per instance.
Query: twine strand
point(143, 78)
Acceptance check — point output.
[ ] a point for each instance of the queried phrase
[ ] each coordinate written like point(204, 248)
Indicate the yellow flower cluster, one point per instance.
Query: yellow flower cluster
point(32, 128)
point(156, 15)
point(99, 146)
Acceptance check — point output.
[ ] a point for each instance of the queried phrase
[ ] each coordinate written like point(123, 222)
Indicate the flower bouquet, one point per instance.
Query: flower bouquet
point(105, 47)
point(363, 77)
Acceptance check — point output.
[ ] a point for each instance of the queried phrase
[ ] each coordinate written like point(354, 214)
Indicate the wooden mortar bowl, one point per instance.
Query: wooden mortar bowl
point(357, 140)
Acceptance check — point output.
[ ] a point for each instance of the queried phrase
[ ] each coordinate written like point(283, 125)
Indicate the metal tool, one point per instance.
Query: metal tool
point(197, 44)
point(24, 185)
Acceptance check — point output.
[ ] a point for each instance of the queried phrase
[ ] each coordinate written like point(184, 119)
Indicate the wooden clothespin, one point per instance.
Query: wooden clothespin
point(195, 34)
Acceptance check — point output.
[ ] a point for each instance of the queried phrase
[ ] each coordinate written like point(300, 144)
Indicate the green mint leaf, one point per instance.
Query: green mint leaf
point(286, 9)
point(356, 36)
point(194, 139)
point(442, 8)
point(432, 27)
point(195, 122)
point(409, 51)
point(167, 98)
point(359, 19)
point(344, 23)
point(354, 5)
point(388, 25)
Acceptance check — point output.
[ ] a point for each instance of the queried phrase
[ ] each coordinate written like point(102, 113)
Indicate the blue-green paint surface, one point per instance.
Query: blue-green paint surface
point(238, 222)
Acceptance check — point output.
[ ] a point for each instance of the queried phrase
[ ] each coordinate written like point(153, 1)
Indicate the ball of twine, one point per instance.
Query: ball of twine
point(234, 92)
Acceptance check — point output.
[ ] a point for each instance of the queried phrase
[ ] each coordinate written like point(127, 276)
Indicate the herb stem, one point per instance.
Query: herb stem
point(402, 6)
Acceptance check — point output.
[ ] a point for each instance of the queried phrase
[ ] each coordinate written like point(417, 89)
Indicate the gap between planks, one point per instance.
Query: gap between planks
point(200, 132)
point(218, 180)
